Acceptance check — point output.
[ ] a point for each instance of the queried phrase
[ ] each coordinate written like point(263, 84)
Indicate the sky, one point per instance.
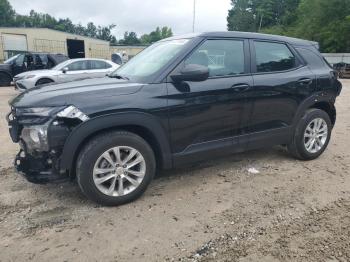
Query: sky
point(140, 16)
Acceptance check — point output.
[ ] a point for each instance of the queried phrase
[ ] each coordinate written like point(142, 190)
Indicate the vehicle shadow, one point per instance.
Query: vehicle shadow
point(277, 153)
point(69, 192)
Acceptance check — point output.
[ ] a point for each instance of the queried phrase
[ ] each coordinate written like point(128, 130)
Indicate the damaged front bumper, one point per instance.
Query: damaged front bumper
point(41, 143)
point(38, 170)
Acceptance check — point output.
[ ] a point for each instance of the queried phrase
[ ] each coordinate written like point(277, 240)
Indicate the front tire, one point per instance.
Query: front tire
point(311, 136)
point(115, 168)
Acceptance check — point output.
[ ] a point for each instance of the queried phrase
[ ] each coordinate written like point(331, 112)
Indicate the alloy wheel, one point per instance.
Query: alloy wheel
point(119, 171)
point(315, 135)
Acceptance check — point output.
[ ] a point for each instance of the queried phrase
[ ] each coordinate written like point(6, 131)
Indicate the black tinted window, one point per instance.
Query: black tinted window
point(80, 65)
point(19, 60)
point(41, 60)
point(96, 64)
point(223, 57)
point(313, 60)
point(272, 57)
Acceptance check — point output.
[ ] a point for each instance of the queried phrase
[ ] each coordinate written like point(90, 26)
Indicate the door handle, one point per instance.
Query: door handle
point(240, 87)
point(305, 81)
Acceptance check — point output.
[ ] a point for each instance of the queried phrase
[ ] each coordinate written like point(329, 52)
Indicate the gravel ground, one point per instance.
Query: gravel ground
point(213, 211)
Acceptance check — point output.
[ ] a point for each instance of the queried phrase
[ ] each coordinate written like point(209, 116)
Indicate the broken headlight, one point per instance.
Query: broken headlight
point(35, 115)
point(35, 136)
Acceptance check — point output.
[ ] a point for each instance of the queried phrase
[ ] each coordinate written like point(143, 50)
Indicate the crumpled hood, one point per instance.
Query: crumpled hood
point(82, 94)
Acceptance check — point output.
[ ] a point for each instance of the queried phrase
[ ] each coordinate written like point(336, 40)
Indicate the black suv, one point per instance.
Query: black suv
point(183, 99)
point(27, 62)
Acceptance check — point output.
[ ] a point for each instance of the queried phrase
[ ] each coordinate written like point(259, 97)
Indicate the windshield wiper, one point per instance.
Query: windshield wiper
point(119, 77)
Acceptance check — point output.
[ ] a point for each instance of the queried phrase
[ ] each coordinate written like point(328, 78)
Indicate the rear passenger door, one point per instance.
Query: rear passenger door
point(98, 68)
point(281, 83)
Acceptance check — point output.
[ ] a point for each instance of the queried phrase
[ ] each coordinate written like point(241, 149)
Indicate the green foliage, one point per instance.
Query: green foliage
point(7, 13)
point(8, 17)
point(324, 21)
point(130, 38)
point(158, 34)
point(253, 15)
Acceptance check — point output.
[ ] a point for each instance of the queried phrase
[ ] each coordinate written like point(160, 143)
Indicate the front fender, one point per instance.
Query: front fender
point(81, 133)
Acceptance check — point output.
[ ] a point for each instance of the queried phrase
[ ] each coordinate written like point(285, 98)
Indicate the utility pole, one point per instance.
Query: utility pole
point(261, 19)
point(194, 15)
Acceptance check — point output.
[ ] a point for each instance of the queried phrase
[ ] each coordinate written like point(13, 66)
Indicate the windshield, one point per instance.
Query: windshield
point(151, 60)
point(10, 60)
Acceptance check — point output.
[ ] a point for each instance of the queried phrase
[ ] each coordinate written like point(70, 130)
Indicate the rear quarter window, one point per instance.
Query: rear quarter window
point(313, 60)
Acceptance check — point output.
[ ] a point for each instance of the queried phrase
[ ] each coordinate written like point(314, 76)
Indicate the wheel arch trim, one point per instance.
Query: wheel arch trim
point(85, 130)
point(311, 102)
point(44, 77)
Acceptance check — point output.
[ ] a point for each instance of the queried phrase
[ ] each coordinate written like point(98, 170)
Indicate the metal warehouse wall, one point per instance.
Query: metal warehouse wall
point(47, 40)
point(337, 58)
point(130, 50)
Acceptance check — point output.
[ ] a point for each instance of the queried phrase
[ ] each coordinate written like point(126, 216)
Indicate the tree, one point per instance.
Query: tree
point(241, 17)
point(104, 33)
point(7, 14)
point(130, 38)
point(253, 15)
point(91, 30)
point(156, 35)
point(326, 22)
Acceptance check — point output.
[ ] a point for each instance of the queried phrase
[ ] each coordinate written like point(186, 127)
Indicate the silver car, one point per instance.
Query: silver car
point(70, 70)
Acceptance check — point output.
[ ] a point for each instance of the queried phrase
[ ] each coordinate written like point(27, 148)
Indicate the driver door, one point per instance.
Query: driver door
point(76, 71)
point(207, 117)
point(18, 65)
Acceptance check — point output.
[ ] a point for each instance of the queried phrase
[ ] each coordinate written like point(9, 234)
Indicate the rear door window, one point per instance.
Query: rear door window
point(96, 64)
point(79, 65)
point(41, 60)
point(273, 57)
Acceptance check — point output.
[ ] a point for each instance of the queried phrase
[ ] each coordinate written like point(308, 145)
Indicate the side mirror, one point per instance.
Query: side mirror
point(192, 72)
point(65, 70)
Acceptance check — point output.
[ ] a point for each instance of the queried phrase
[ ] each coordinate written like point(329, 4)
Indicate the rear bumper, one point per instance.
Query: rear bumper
point(38, 170)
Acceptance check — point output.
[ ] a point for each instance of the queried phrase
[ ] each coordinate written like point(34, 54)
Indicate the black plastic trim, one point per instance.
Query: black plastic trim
point(98, 124)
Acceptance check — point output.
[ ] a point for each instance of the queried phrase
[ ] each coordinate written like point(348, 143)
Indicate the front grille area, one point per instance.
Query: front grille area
point(20, 86)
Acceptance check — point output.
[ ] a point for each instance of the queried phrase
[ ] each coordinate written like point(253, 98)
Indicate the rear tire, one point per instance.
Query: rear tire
point(43, 81)
point(5, 79)
point(311, 136)
point(104, 173)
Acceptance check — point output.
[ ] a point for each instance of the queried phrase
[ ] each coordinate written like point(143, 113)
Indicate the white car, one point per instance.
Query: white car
point(70, 70)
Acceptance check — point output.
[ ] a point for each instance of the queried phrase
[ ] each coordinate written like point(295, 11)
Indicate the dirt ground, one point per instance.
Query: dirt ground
point(214, 211)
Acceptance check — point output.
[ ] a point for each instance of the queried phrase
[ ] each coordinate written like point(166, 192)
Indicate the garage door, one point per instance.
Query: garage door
point(14, 42)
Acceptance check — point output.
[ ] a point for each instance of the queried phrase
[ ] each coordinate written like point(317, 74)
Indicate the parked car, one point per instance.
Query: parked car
point(27, 62)
point(181, 100)
point(70, 70)
point(343, 69)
